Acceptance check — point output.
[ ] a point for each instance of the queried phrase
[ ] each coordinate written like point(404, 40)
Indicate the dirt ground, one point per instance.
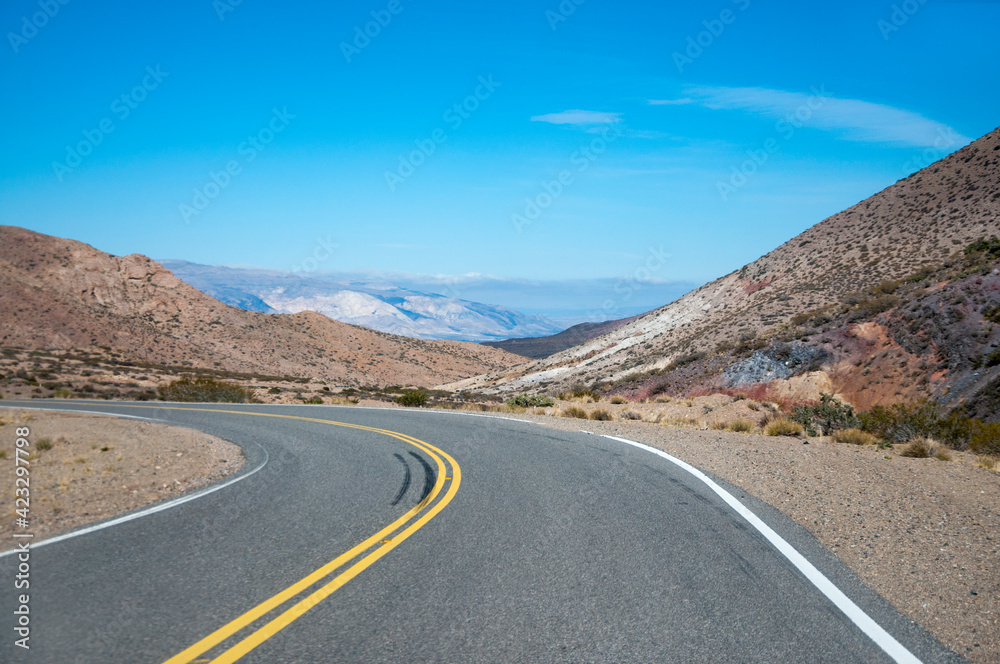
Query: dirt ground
point(98, 466)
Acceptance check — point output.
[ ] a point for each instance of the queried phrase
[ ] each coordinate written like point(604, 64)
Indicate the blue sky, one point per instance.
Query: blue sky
point(534, 142)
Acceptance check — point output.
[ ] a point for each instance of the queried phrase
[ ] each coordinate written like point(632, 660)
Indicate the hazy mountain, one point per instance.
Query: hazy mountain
point(840, 269)
point(539, 347)
point(378, 305)
point(63, 294)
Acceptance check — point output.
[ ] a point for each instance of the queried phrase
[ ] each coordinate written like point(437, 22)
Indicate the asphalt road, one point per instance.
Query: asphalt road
point(513, 543)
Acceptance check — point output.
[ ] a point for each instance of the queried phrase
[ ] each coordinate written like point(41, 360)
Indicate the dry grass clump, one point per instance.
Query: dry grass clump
point(683, 422)
point(782, 427)
point(574, 411)
point(987, 462)
point(618, 400)
point(629, 415)
point(601, 415)
point(925, 448)
point(740, 426)
point(854, 437)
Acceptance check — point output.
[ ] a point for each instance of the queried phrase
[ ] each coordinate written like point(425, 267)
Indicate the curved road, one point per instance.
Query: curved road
point(455, 539)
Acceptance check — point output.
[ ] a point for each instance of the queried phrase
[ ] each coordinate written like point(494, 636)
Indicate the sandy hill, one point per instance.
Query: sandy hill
point(918, 222)
point(62, 294)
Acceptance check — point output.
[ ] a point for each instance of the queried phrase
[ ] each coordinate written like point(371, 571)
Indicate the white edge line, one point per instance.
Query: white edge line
point(865, 623)
point(146, 512)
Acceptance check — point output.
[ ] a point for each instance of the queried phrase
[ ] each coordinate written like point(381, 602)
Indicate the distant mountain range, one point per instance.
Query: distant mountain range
point(377, 305)
point(539, 347)
point(894, 299)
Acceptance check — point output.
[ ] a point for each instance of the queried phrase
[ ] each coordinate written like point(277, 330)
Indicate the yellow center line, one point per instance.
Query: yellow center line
point(382, 537)
point(297, 610)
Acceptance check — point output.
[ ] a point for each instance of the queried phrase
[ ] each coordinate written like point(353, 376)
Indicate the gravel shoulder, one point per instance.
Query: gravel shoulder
point(100, 466)
point(923, 533)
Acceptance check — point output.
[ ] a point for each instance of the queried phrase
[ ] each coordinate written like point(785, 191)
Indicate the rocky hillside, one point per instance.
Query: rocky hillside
point(920, 222)
point(63, 294)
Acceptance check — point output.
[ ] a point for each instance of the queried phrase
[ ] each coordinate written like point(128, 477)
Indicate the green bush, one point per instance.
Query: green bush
point(206, 390)
point(531, 401)
point(827, 416)
point(985, 438)
point(901, 423)
point(412, 398)
point(313, 401)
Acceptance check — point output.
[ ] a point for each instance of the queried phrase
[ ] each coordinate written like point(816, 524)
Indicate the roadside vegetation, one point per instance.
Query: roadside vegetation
point(206, 390)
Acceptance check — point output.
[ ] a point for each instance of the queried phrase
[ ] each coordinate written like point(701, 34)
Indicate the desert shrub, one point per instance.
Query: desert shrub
point(827, 416)
point(990, 246)
point(854, 437)
point(618, 399)
point(985, 438)
point(412, 398)
point(718, 425)
point(62, 393)
point(740, 426)
point(601, 415)
point(205, 390)
point(44, 444)
point(684, 360)
point(783, 427)
point(531, 401)
point(274, 390)
point(629, 415)
point(919, 448)
point(574, 411)
point(313, 400)
point(901, 423)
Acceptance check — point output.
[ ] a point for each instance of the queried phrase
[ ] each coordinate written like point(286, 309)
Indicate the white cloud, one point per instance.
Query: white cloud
point(852, 119)
point(579, 117)
point(671, 102)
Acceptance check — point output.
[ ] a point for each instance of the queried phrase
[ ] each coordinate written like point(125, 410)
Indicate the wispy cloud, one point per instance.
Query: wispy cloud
point(851, 119)
point(579, 118)
point(671, 102)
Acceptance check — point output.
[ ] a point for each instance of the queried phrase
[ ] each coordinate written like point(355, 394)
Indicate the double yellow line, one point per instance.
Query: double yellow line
point(371, 549)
